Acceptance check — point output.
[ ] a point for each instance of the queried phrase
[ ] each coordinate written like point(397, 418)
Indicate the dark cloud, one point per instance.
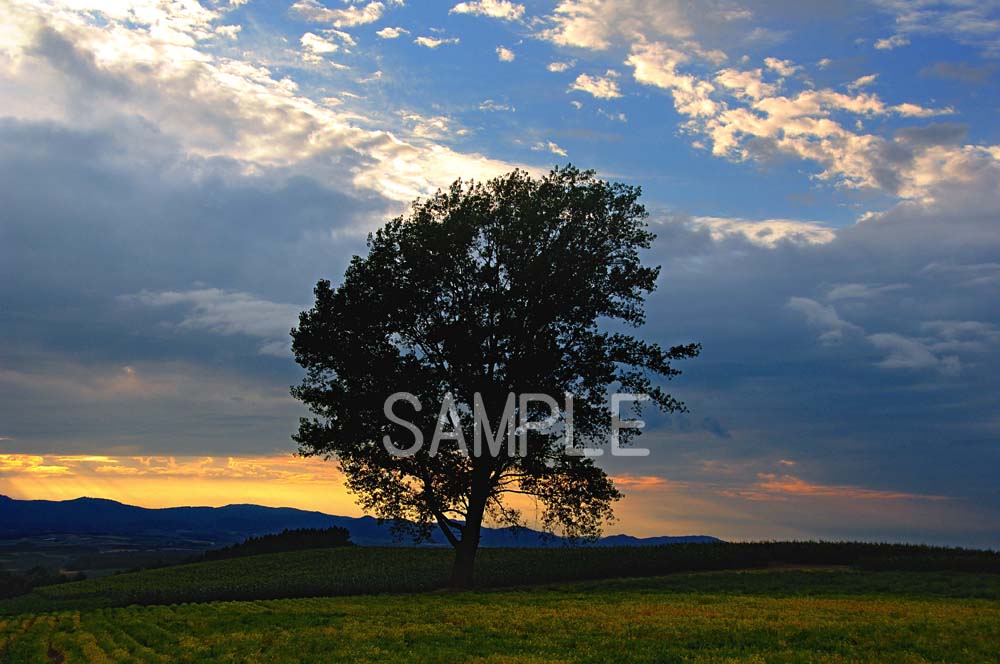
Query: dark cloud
point(960, 71)
point(942, 133)
point(92, 221)
point(862, 379)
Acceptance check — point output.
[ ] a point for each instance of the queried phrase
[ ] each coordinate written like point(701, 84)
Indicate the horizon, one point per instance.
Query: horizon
point(823, 180)
point(608, 534)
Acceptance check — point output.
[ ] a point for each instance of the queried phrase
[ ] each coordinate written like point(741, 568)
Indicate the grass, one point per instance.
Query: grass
point(363, 570)
point(787, 616)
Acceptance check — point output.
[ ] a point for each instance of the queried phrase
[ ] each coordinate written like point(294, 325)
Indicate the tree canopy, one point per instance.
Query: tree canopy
point(517, 285)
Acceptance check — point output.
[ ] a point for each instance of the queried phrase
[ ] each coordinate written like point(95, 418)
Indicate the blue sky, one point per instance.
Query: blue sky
point(822, 177)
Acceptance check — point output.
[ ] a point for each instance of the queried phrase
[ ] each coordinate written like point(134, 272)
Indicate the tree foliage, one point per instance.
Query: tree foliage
point(516, 285)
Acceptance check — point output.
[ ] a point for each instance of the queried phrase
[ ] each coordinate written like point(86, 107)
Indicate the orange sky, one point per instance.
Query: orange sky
point(653, 505)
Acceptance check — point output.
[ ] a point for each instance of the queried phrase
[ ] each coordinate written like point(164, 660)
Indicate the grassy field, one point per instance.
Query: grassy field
point(364, 570)
point(775, 616)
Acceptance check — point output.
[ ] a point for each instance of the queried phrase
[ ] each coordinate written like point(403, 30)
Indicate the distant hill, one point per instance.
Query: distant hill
point(234, 523)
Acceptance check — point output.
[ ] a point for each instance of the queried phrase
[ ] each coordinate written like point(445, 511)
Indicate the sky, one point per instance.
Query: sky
point(823, 179)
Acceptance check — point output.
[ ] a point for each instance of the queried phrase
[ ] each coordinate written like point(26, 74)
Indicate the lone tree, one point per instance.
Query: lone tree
point(482, 292)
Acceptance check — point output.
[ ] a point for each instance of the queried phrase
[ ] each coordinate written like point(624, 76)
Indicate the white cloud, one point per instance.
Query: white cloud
point(889, 43)
point(316, 44)
point(229, 31)
point(744, 117)
point(341, 35)
point(228, 313)
point(747, 83)
point(434, 127)
point(501, 9)
point(656, 64)
point(782, 67)
point(352, 15)
point(617, 117)
point(391, 33)
point(548, 146)
point(214, 106)
point(490, 105)
point(434, 42)
point(975, 24)
point(766, 232)
point(602, 87)
point(505, 54)
point(561, 66)
point(595, 24)
point(862, 82)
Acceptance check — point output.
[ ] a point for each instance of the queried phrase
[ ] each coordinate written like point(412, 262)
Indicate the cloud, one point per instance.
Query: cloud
point(767, 232)
point(558, 66)
point(173, 407)
point(861, 291)
point(861, 82)
point(229, 31)
point(435, 127)
point(889, 43)
point(29, 464)
point(907, 353)
point(276, 468)
point(228, 313)
point(501, 9)
point(656, 65)
point(748, 84)
point(490, 105)
point(823, 317)
point(350, 16)
point(595, 24)
point(316, 44)
point(959, 71)
point(617, 117)
point(434, 42)
point(548, 146)
point(781, 67)
point(745, 117)
point(222, 107)
point(971, 24)
point(505, 54)
point(391, 33)
point(777, 487)
point(602, 87)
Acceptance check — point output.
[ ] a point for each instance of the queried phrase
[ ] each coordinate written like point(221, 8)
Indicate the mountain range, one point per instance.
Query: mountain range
point(234, 523)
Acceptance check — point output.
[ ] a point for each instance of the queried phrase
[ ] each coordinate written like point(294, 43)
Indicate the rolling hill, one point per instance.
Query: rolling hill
point(233, 523)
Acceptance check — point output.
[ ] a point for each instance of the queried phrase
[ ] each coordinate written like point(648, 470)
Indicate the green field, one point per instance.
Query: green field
point(386, 604)
point(365, 570)
point(777, 616)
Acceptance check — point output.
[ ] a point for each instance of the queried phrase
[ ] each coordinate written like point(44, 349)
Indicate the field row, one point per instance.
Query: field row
point(368, 570)
point(636, 621)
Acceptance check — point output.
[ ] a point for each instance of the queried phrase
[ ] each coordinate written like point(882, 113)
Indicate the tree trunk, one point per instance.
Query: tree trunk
point(462, 573)
point(463, 570)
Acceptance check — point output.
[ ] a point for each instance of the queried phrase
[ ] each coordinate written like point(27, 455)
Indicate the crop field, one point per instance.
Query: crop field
point(364, 570)
point(773, 616)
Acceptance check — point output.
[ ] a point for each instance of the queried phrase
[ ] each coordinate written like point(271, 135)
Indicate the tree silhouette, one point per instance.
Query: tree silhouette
point(497, 288)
